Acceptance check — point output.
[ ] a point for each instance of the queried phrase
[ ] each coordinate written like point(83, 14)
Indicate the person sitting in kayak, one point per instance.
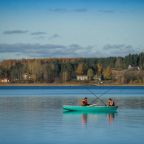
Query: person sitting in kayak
point(84, 102)
point(111, 102)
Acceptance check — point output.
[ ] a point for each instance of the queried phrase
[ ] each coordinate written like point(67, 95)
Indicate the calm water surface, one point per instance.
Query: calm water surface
point(34, 115)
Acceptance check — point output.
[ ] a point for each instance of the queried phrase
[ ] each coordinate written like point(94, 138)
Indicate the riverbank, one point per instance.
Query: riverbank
point(67, 84)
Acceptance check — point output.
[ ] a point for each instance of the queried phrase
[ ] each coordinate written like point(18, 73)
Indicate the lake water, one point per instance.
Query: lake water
point(34, 115)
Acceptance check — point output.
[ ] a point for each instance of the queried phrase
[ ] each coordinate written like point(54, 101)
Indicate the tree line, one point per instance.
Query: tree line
point(66, 69)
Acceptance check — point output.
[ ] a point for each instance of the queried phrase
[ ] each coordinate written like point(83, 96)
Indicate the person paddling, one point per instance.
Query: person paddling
point(84, 102)
point(111, 102)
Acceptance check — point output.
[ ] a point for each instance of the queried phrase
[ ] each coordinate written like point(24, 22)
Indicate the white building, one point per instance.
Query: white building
point(134, 68)
point(4, 80)
point(82, 77)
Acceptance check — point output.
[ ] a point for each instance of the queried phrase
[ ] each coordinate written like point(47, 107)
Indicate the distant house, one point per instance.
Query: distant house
point(82, 77)
point(27, 76)
point(130, 67)
point(4, 80)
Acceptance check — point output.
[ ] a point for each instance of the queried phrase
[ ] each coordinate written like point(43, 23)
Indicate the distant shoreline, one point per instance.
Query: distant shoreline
point(66, 84)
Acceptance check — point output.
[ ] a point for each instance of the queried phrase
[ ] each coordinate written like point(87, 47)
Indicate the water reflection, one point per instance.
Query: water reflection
point(86, 118)
point(111, 117)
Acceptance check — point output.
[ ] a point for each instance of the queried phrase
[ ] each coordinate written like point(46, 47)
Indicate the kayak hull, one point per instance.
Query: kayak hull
point(90, 108)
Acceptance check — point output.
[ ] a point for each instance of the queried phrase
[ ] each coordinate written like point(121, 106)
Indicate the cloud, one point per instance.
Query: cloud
point(120, 49)
point(81, 10)
point(9, 32)
point(57, 10)
point(39, 37)
point(52, 50)
point(64, 10)
point(54, 36)
point(38, 33)
point(47, 50)
point(43, 35)
point(104, 11)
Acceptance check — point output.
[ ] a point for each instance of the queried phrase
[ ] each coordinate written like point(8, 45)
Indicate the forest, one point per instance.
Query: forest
point(128, 69)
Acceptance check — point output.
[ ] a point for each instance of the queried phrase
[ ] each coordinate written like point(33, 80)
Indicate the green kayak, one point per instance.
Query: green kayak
point(91, 108)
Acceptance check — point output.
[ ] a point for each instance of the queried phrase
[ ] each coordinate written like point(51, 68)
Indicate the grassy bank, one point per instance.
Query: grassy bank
point(68, 84)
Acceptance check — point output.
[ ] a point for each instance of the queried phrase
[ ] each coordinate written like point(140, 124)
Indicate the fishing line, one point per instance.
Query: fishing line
point(99, 96)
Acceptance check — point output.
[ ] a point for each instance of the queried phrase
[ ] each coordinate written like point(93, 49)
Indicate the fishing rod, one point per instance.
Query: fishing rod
point(96, 98)
point(99, 96)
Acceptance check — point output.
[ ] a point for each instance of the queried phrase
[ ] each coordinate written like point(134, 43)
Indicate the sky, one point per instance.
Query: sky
point(70, 28)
